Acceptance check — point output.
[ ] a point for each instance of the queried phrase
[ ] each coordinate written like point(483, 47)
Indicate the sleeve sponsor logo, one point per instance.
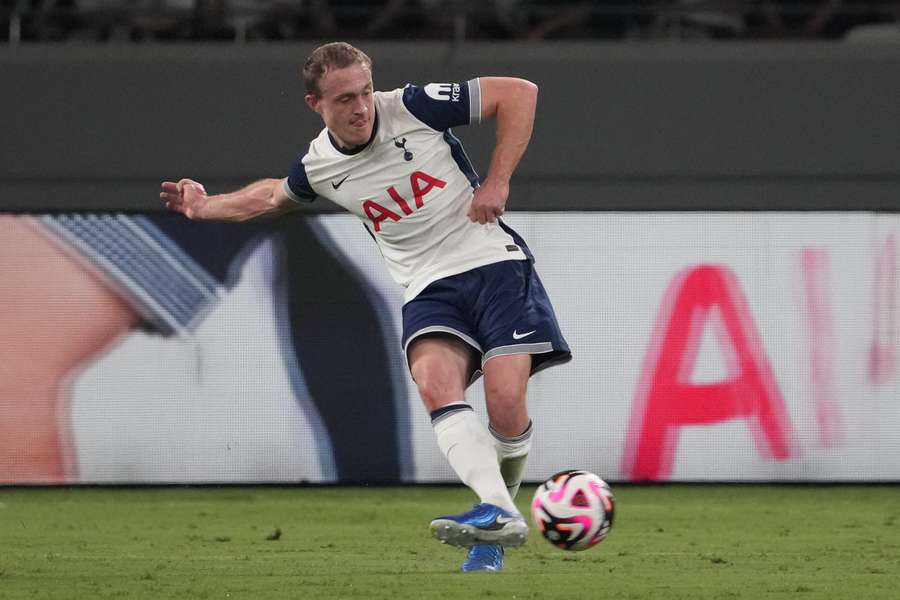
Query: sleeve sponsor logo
point(443, 91)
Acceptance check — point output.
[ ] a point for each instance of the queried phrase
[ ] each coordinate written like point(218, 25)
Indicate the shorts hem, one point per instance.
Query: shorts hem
point(533, 348)
point(557, 357)
point(476, 372)
point(441, 329)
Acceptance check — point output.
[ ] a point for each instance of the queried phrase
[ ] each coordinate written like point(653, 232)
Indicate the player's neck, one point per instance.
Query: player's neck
point(343, 148)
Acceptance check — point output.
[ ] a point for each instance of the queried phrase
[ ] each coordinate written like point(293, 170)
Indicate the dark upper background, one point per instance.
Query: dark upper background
point(656, 114)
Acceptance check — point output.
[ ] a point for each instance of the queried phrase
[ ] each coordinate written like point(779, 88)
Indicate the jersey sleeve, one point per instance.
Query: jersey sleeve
point(297, 186)
point(445, 105)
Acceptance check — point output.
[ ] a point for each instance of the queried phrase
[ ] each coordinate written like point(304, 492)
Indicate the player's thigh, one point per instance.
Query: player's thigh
point(63, 312)
point(506, 385)
point(441, 365)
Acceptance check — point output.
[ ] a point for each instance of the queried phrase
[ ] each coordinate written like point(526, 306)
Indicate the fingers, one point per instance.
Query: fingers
point(190, 182)
point(174, 205)
point(169, 194)
point(173, 193)
point(178, 187)
point(484, 214)
point(478, 215)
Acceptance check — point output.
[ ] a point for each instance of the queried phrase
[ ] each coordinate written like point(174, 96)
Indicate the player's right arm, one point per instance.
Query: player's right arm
point(263, 197)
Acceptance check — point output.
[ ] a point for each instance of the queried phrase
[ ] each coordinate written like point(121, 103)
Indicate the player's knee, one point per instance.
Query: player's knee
point(436, 394)
point(439, 375)
point(504, 398)
point(438, 389)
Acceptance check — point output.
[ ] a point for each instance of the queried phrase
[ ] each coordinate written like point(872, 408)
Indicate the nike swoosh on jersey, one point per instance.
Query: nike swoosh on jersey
point(340, 183)
point(519, 336)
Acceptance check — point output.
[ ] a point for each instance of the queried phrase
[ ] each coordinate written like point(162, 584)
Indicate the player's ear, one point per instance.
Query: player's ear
point(312, 101)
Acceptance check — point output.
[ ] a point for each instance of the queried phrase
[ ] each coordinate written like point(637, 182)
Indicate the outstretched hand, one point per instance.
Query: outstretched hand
point(186, 196)
point(488, 202)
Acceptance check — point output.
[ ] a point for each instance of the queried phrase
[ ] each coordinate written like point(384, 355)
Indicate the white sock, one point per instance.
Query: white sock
point(470, 450)
point(512, 453)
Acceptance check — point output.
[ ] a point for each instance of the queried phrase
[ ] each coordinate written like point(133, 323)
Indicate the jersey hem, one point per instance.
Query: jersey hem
point(414, 290)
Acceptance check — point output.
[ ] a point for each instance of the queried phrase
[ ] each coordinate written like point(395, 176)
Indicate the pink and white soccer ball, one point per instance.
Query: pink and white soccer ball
point(573, 510)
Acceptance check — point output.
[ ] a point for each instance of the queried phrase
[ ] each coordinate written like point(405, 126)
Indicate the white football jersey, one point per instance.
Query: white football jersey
point(411, 185)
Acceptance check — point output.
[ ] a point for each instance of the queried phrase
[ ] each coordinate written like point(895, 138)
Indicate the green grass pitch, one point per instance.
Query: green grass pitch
point(669, 541)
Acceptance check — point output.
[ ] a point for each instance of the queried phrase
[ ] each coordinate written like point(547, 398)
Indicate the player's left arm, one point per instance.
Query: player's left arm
point(512, 102)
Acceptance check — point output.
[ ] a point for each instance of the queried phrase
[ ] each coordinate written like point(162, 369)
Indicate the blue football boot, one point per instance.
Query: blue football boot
point(486, 558)
point(484, 524)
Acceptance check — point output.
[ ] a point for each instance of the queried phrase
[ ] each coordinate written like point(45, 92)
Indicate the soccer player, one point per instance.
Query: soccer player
point(473, 303)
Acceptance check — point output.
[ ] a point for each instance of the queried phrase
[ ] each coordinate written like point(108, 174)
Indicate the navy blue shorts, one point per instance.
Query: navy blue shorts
point(498, 309)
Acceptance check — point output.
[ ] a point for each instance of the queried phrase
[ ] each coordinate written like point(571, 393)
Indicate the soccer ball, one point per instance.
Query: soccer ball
point(573, 510)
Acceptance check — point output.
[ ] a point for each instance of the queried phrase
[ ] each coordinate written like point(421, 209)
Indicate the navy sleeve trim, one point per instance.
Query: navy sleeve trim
point(296, 185)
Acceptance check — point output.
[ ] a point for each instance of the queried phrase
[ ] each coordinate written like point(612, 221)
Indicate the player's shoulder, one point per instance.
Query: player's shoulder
point(390, 103)
point(319, 148)
point(390, 96)
point(395, 114)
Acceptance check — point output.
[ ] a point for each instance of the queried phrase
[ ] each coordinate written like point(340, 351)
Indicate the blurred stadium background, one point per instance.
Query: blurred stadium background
point(711, 192)
point(457, 20)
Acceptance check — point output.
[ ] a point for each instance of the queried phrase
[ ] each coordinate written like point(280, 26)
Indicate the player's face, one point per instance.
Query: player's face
point(346, 104)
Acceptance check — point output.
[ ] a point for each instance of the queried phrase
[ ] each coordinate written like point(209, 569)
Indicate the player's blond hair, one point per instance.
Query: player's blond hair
point(336, 55)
